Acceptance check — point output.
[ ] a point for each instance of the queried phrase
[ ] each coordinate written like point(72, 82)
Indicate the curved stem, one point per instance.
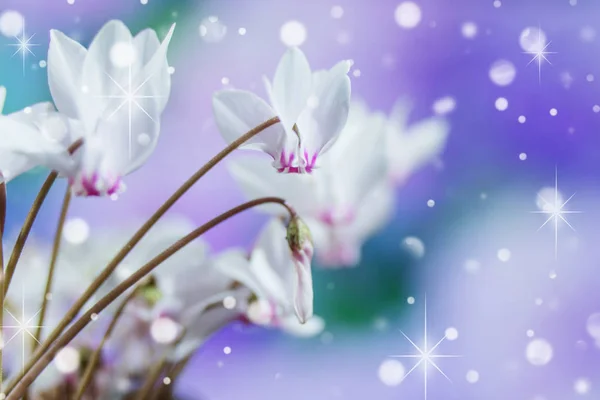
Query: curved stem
point(40, 364)
point(91, 366)
point(114, 263)
point(29, 220)
point(53, 260)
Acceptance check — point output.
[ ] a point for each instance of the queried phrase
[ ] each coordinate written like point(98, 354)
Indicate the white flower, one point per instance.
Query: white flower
point(345, 202)
point(312, 108)
point(32, 137)
point(181, 307)
point(281, 286)
point(113, 94)
point(410, 147)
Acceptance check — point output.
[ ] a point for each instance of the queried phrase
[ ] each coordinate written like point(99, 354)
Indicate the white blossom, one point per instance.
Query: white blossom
point(312, 108)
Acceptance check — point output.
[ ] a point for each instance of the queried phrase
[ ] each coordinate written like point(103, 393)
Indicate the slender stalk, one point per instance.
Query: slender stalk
point(29, 220)
point(53, 260)
point(114, 263)
point(91, 366)
point(22, 383)
point(153, 374)
point(2, 223)
point(173, 373)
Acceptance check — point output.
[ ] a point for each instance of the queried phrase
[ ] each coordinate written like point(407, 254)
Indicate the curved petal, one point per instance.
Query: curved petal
point(65, 65)
point(236, 266)
point(320, 126)
point(104, 74)
point(258, 179)
point(154, 79)
point(23, 147)
point(291, 87)
point(237, 111)
point(411, 150)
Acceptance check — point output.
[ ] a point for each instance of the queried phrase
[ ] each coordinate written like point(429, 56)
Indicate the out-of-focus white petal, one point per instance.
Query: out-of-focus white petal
point(236, 266)
point(291, 87)
point(258, 179)
point(237, 112)
point(314, 326)
point(421, 143)
point(65, 66)
point(363, 142)
point(320, 126)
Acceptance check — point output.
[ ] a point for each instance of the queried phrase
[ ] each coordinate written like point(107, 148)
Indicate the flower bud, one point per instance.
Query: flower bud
point(301, 245)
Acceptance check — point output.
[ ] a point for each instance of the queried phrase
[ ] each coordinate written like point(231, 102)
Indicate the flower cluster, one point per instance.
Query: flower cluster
point(112, 326)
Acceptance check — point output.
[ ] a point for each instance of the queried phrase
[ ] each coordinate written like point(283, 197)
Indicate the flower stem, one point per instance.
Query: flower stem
point(91, 366)
point(114, 263)
point(53, 260)
point(43, 359)
point(153, 374)
point(33, 212)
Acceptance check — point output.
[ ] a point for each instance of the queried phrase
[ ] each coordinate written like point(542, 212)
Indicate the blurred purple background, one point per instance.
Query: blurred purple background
point(486, 271)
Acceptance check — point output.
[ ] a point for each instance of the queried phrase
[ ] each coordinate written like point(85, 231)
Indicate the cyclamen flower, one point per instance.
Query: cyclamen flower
point(410, 147)
point(281, 284)
point(345, 202)
point(113, 95)
point(312, 108)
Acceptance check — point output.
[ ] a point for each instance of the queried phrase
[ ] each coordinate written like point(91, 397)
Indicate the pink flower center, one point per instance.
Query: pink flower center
point(94, 185)
point(304, 165)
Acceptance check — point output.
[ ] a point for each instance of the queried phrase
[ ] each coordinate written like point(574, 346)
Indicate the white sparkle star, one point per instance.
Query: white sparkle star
point(539, 54)
point(23, 327)
point(425, 355)
point(130, 96)
point(23, 45)
point(555, 210)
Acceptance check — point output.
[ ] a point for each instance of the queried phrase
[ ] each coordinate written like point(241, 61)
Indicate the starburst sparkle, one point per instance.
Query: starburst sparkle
point(556, 211)
point(539, 53)
point(23, 46)
point(425, 355)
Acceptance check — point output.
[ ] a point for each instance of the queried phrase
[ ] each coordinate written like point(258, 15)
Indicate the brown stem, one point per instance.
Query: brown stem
point(114, 263)
point(45, 358)
point(150, 382)
point(33, 212)
point(53, 260)
point(91, 366)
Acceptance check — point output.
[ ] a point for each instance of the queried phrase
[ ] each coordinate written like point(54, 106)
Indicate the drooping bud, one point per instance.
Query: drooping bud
point(301, 245)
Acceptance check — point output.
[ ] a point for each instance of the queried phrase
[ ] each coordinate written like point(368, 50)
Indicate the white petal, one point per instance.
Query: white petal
point(411, 150)
point(154, 78)
point(258, 179)
point(237, 112)
point(236, 266)
point(319, 128)
point(126, 135)
point(361, 150)
point(313, 327)
point(65, 65)
point(400, 113)
point(101, 76)
point(274, 286)
point(291, 87)
point(22, 147)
